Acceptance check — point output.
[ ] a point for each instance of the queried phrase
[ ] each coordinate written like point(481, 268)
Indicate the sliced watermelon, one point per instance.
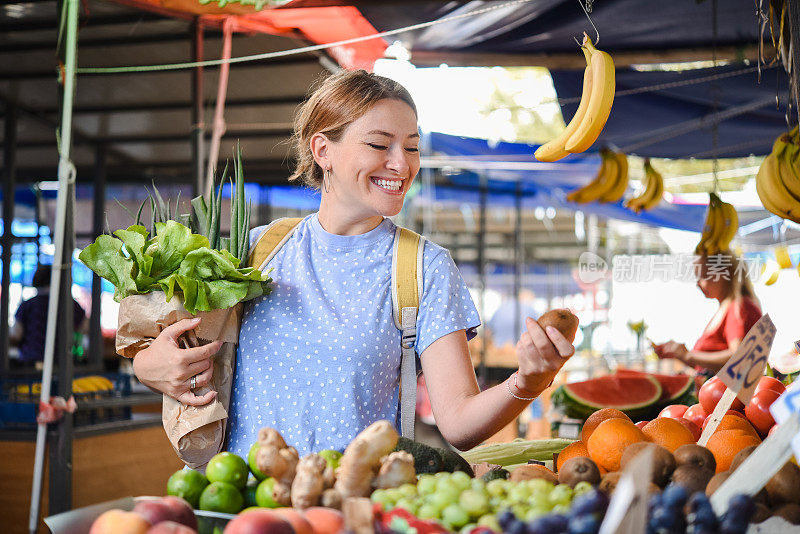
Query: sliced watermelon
point(634, 395)
point(674, 388)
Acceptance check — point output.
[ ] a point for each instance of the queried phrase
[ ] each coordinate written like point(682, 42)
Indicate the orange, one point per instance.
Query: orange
point(576, 448)
point(734, 422)
point(725, 444)
point(598, 417)
point(669, 433)
point(610, 439)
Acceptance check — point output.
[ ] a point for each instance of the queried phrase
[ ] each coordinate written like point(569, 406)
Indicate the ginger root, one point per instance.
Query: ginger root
point(396, 469)
point(276, 459)
point(309, 482)
point(362, 458)
point(331, 499)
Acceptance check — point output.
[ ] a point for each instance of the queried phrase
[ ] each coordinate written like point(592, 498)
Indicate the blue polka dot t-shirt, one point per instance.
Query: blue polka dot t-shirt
point(319, 358)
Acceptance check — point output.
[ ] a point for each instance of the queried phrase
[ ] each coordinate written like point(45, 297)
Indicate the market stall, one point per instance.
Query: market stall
point(383, 482)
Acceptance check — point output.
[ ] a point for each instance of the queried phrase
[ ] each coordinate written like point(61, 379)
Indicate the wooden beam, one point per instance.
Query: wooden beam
point(570, 61)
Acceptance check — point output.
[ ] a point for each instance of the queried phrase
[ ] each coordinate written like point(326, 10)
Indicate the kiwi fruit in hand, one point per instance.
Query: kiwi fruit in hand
point(562, 320)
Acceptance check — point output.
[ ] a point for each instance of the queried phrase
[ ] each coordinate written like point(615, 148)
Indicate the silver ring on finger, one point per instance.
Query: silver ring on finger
point(193, 382)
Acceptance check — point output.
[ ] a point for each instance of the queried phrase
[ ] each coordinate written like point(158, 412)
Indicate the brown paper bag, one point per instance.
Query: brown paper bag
point(196, 432)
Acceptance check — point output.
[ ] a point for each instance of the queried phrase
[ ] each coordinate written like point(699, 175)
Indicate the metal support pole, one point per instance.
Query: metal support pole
point(61, 487)
point(98, 210)
point(519, 253)
point(482, 371)
point(197, 110)
point(9, 164)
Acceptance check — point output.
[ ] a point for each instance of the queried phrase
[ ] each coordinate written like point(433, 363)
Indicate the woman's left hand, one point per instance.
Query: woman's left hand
point(540, 355)
point(671, 349)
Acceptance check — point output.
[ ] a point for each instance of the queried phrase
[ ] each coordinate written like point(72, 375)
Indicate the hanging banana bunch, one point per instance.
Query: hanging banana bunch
point(599, 84)
point(778, 178)
point(653, 191)
point(719, 229)
point(609, 184)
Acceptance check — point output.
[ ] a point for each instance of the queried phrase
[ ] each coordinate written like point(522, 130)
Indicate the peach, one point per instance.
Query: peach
point(119, 522)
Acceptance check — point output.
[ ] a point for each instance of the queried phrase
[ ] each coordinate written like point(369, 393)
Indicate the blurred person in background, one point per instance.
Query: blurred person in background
point(721, 277)
point(30, 327)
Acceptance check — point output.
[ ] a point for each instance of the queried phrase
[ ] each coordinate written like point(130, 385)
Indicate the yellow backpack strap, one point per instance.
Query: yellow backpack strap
point(406, 295)
point(271, 240)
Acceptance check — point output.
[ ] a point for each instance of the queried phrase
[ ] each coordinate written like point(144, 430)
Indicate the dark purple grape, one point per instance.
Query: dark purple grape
point(704, 516)
point(548, 524)
point(729, 526)
point(516, 527)
point(589, 503)
point(697, 500)
point(674, 496)
point(505, 517)
point(583, 524)
point(740, 509)
point(667, 520)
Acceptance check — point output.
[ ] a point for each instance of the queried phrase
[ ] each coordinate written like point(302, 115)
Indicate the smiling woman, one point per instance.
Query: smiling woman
point(319, 359)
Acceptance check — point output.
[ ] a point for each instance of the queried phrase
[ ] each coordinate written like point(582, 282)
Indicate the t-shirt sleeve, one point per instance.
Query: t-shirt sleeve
point(446, 304)
point(741, 318)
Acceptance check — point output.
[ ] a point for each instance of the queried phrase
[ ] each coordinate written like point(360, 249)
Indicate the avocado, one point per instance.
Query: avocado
point(452, 462)
point(495, 474)
point(426, 458)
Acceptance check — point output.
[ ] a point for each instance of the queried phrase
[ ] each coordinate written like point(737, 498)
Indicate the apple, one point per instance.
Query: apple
point(674, 411)
point(696, 414)
point(325, 520)
point(181, 510)
point(693, 428)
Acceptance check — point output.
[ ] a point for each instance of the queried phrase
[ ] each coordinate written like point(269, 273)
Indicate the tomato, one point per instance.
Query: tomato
point(711, 392)
point(757, 411)
point(640, 424)
point(673, 411)
point(767, 382)
point(696, 414)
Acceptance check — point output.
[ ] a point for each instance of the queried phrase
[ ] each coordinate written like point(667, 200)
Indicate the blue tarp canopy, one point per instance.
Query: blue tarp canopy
point(670, 122)
point(548, 26)
point(541, 184)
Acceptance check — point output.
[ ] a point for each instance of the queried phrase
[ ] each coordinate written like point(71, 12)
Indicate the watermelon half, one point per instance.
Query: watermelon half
point(634, 395)
point(675, 389)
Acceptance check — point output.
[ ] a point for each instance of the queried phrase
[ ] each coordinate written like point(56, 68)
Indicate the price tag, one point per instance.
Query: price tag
point(783, 408)
point(627, 511)
point(742, 371)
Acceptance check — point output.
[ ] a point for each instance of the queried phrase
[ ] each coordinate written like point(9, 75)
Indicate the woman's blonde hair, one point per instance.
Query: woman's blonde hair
point(727, 266)
point(336, 102)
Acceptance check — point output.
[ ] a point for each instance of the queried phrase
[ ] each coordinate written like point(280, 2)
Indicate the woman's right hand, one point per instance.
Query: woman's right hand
point(167, 368)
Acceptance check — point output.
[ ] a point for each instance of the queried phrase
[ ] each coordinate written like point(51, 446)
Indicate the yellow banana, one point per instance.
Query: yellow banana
point(788, 167)
point(554, 149)
point(620, 182)
point(713, 243)
point(731, 226)
point(601, 183)
point(654, 199)
point(708, 228)
point(635, 203)
point(600, 99)
point(782, 257)
point(770, 272)
point(773, 193)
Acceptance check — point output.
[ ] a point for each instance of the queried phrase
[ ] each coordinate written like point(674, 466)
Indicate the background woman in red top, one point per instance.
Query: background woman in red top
point(724, 278)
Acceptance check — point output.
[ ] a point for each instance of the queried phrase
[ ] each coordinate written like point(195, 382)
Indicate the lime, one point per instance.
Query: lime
point(249, 492)
point(251, 461)
point(264, 493)
point(221, 497)
point(188, 484)
point(331, 456)
point(227, 467)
